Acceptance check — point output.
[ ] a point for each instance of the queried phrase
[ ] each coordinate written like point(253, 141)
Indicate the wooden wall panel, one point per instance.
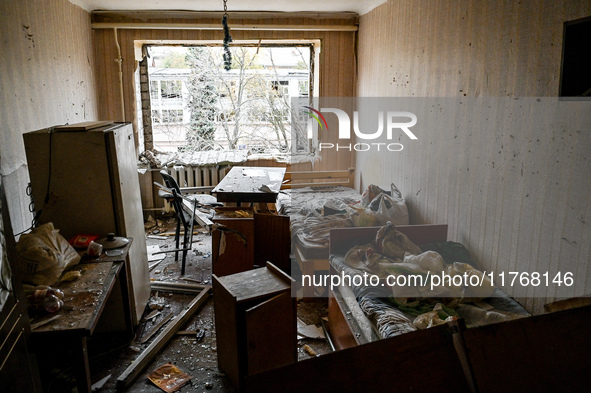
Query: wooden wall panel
point(337, 61)
point(516, 195)
point(47, 78)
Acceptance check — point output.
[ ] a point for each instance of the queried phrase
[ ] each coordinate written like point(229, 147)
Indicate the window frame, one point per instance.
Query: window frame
point(313, 80)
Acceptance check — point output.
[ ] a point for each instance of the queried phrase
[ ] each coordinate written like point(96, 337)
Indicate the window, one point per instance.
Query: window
point(304, 88)
point(154, 90)
point(171, 90)
point(247, 107)
point(167, 116)
point(281, 88)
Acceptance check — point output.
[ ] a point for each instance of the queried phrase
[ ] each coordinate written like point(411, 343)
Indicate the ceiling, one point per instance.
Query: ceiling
point(359, 6)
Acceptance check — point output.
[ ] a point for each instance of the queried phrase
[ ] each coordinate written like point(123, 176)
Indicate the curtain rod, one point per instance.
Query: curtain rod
point(218, 26)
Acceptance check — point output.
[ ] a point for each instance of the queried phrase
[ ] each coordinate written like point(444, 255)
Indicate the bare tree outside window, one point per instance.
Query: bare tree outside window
point(198, 106)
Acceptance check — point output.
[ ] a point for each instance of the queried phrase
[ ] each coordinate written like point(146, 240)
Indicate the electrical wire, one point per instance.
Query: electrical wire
point(227, 39)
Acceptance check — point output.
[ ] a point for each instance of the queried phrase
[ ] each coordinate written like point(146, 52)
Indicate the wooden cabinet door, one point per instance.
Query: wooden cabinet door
point(271, 334)
point(128, 213)
point(272, 240)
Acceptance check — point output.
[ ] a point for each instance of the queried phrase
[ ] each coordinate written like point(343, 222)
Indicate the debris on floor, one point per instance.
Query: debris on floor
point(309, 331)
point(154, 253)
point(99, 385)
point(191, 348)
point(169, 377)
point(156, 303)
point(309, 350)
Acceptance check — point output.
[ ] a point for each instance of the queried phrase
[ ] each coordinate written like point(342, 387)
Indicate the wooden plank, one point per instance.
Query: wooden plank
point(155, 328)
point(344, 328)
point(217, 26)
point(288, 186)
point(166, 284)
point(347, 176)
point(424, 233)
point(545, 353)
point(128, 213)
point(176, 287)
point(124, 16)
point(415, 361)
point(567, 304)
point(142, 361)
point(319, 174)
point(197, 215)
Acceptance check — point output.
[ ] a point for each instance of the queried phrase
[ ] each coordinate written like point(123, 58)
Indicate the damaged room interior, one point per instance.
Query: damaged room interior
point(338, 196)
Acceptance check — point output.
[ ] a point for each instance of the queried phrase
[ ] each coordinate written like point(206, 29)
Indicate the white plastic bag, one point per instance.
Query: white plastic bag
point(428, 261)
point(370, 193)
point(45, 254)
point(362, 217)
point(391, 209)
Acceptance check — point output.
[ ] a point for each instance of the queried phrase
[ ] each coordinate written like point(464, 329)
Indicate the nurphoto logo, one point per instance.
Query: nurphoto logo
point(393, 121)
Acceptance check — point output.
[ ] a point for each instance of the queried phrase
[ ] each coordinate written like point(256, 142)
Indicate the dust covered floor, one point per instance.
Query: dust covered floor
point(112, 354)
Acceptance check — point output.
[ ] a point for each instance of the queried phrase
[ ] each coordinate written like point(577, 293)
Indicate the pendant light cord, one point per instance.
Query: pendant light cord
point(227, 39)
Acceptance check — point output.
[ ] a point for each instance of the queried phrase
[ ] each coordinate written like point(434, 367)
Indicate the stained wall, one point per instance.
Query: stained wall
point(47, 78)
point(516, 194)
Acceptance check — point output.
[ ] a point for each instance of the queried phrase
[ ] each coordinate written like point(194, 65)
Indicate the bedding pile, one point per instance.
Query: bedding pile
point(397, 309)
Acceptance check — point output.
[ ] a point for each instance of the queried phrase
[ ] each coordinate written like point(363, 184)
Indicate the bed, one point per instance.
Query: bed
point(549, 352)
point(302, 197)
point(316, 202)
point(359, 315)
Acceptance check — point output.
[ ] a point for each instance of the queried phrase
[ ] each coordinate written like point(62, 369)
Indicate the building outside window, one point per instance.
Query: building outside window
point(266, 89)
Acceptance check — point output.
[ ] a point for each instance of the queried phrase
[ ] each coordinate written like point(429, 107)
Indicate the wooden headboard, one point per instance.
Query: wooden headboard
point(339, 178)
point(341, 239)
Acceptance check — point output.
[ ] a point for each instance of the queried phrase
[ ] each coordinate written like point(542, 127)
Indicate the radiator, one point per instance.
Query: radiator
point(196, 176)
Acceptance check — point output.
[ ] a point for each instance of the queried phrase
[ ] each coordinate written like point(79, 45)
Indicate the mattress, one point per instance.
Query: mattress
point(313, 211)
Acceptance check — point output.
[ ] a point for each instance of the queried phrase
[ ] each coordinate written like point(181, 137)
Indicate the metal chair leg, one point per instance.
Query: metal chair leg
point(177, 238)
point(188, 238)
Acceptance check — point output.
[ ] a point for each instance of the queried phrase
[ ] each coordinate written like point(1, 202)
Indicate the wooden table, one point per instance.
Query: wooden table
point(85, 300)
point(250, 184)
